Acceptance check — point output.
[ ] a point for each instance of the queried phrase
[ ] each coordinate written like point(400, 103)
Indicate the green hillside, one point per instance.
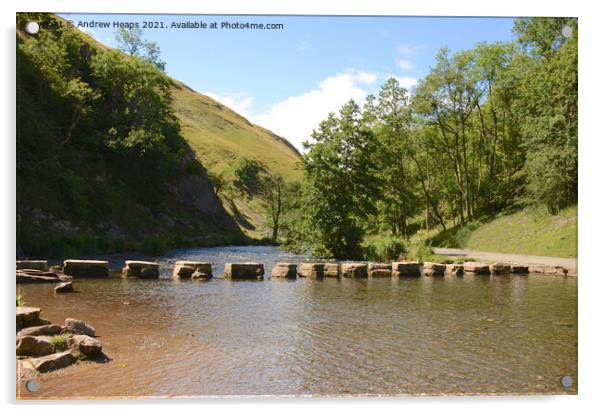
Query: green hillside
point(113, 155)
point(532, 231)
point(220, 136)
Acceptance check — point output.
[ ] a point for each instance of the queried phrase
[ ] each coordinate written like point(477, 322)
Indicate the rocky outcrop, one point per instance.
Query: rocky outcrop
point(86, 268)
point(354, 270)
point(500, 268)
point(244, 270)
point(66, 287)
point(79, 327)
point(284, 269)
point(406, 269)
point(519, 269)
point(433, 269)
point(34, 346)
point(140, 269)
point(331, 269)
point(311, 269)
point(86, 345)
point(193, 270)
point(376, 269)
point(479, 268)
point(29, 317)
point(454, 269)
point(40, 265)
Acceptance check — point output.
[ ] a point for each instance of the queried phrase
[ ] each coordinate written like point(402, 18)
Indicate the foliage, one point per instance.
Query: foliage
point(59, 342)
point(130, 41)
point(340, 183)
point(246, 172)
point(20, 302)
point(383, 248)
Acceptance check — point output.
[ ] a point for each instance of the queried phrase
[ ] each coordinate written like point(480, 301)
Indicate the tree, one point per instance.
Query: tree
point(246, 172)
point(130, 41)
point(340, 186)
point(273, 188)
point(218, 181)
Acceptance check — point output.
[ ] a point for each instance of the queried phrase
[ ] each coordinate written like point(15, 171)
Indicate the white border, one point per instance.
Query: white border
point(590, 149)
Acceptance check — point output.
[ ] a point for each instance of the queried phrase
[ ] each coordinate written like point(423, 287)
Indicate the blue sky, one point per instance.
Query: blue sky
point(288, 80)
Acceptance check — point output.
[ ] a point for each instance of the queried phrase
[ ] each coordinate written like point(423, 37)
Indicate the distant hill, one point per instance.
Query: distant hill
point(92, 199)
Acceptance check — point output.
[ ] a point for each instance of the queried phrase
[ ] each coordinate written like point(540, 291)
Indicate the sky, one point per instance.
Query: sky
point(288, 80)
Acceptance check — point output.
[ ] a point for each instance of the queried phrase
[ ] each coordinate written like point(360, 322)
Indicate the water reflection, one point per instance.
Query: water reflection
point(471, 334)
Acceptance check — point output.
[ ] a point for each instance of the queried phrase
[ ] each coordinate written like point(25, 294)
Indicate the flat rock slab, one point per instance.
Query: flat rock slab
point(377, 269)
point(27, 277)
point(500, 268)
point(244, 270)
point(34, 346)
point(140, 269)
point(193, 270)
point(433, 269)
point(66, 287)
point(519, 269)
point(331, 269)
point(455, 269)
point(354, 270)
point(86, 268)
point(285, 269)
point(29, 317)
point(311, 269)
point(548, 269)
point(406, 269)
point(46, 330)
point(51, 362)
point(480, 268)
point(41, 265)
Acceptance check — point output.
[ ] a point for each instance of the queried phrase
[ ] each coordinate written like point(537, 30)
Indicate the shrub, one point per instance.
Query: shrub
point(59, 343)
point(383, 248)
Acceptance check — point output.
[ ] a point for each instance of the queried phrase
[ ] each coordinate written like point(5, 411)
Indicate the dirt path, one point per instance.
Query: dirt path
point(569, 263)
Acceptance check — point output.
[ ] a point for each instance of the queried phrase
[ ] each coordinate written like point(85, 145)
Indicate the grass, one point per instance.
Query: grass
point(531, 231)
point(20, 302)
point(59, 343)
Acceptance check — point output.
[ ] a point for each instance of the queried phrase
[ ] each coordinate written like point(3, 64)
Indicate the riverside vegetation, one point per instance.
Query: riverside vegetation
point(108, 144)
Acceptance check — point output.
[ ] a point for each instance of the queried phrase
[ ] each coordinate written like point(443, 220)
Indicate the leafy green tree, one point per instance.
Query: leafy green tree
point(246, 172)
point(550, 110)
point(273, 192)
point(136, 100)
point(130, 41)
point(340, 186)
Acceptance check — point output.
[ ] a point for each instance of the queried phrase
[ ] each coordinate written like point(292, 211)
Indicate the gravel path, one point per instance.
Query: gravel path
point(569, 263)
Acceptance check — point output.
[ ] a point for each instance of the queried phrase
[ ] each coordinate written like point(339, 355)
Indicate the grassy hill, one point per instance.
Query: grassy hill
point(220, 136)
point(532, 231)
point(93, 198)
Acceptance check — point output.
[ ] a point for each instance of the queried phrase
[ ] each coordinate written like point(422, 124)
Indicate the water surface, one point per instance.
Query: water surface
point(458, 335)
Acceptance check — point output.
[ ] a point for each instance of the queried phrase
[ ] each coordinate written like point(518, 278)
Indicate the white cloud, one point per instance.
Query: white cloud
point(408, 49)
point(296, 117)
point(303, 48)
point(404, 64)
point(238, 102)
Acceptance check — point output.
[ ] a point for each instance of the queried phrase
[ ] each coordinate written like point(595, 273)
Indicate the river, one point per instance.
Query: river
point(387, 336)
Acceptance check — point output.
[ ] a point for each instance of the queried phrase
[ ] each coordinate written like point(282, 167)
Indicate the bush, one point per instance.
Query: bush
point(420, 248)
point(383, 249)
point(59, 343)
